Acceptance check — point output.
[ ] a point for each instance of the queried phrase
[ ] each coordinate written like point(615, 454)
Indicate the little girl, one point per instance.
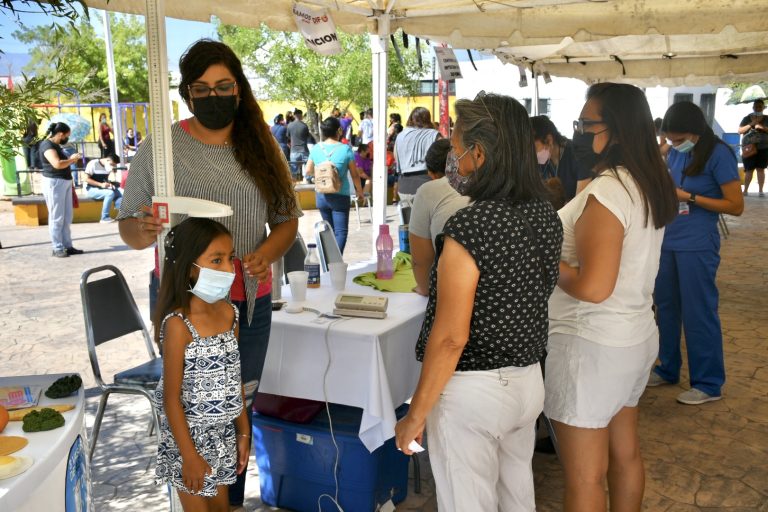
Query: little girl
point(204, 431)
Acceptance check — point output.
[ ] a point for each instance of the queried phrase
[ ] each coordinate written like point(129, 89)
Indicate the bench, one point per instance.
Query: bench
point(32, 211)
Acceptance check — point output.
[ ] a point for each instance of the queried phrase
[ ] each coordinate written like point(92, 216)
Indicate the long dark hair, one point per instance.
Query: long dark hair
point(184, 244)
point(55, 128)
point(687, 117)
point(255, 147)
point(500, 125)
point(633, 145)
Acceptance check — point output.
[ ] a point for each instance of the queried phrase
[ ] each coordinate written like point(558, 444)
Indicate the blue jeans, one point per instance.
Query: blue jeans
point(297, 169)
point(686, 293)
point(253, 344)
point(334, 209)
point(109, 196)
point(58, 199)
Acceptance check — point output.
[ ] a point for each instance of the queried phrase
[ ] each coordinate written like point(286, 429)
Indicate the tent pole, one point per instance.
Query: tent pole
point(117, 122)
point(535, 94)
point(160, 112)
point(379, 54)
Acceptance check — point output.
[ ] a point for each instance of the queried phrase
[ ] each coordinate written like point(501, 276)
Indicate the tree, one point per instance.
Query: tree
point(738, 89)
point(81, 53)
point(15, 104)
point(290, 71)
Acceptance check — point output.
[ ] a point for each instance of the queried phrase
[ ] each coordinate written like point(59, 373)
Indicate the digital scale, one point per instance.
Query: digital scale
point(364, 306)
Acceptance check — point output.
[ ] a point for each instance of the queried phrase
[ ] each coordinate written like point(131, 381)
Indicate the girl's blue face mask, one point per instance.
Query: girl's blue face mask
point(212, 285)
point(685, 146)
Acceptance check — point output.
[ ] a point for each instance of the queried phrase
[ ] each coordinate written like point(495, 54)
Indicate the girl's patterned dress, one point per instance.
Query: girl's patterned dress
point(212, 399)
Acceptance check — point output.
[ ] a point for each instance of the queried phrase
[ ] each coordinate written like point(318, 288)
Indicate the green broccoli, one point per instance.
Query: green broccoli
point(45, 419)
point(64, 386)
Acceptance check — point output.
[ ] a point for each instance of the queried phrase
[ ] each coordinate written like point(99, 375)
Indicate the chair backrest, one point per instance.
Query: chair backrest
point(294, 258)
point(327, 245)
point(109, 312)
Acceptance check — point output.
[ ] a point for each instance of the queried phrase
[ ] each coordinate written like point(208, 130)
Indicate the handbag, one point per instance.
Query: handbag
point(75, 199)
point(748, 150)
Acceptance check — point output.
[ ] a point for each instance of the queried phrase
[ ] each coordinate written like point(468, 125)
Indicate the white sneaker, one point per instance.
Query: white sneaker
point(696, 397)
point(656, 380)
point(106, 221)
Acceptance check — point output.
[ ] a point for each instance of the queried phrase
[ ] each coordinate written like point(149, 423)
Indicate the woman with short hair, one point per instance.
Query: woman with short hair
point(481, 388)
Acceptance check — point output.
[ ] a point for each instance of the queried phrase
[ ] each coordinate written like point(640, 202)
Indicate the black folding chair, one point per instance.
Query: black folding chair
point(111, 313)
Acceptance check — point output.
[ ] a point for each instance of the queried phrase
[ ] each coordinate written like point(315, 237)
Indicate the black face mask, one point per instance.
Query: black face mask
point(582, 150)
point(215, 112)
point(63, 142)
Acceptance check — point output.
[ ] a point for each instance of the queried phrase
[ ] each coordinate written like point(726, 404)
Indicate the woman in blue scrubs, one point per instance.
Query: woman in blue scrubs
point(705, 171)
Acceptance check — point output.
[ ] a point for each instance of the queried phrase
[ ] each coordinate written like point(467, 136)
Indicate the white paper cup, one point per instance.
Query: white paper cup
point(338, 275)
point(298, 281)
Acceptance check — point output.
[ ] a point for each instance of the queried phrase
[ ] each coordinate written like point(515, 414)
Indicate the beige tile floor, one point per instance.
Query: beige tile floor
point(698, 458)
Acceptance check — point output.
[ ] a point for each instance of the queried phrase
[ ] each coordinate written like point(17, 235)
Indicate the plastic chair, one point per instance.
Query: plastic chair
point(367, 201)
point(111, 313)
point(327, 245)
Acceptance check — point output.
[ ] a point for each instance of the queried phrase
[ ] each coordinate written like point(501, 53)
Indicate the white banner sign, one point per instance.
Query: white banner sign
point(448, 65)
point(318, 29)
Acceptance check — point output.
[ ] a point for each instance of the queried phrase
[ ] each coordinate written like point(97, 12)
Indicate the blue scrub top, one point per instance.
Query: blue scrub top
point(698, 230)
point(340, 154)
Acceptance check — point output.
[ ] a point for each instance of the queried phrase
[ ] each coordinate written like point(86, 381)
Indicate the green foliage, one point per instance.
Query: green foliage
point(292, 72)
point(16, 108)
point(738, 89)
point(40, 421)
point(81, 53)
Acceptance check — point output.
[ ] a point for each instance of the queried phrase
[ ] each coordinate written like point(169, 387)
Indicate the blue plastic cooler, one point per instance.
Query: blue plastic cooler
point(296, 463)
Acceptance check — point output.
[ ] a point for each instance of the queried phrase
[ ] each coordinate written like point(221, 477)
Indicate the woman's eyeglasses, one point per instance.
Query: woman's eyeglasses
point(203, 91)
point(580, 125)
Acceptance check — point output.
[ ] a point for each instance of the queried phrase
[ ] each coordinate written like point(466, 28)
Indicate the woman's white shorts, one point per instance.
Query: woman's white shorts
point(587, 384)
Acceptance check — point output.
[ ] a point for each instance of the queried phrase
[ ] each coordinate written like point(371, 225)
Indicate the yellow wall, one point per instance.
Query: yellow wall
point(92, 115)
point(402, 106)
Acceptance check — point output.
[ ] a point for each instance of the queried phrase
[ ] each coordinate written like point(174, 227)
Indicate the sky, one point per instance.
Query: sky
point(180, 34)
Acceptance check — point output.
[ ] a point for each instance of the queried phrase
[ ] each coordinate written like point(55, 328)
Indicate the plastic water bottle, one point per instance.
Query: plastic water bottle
point(384, 248)
point(312, 266)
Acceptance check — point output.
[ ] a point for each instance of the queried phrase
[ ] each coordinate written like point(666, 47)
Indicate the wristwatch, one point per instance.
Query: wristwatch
point(692, 199)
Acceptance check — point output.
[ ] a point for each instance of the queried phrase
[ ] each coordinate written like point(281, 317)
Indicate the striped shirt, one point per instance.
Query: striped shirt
point(211, 172)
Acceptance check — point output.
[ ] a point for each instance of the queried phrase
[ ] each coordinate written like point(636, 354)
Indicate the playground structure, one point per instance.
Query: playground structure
point(133, 115)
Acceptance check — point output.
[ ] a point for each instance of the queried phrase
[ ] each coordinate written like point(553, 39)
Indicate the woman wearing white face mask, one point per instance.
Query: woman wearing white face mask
point(704, 169)
point(557, 159)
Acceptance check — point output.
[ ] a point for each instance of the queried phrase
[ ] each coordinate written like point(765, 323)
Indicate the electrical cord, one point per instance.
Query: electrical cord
point(335, 498)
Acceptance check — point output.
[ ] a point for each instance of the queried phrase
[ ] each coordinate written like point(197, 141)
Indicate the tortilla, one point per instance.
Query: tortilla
point(13, 466)
point(11, 444)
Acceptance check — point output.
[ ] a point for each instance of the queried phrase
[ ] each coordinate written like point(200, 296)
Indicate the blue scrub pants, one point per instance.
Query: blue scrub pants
point(686, 293)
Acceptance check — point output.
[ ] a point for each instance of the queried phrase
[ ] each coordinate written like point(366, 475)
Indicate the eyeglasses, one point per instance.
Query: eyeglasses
point(579, 125)
point(203, 91)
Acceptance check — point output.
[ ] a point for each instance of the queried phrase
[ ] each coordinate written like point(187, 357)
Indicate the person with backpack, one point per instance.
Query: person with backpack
point(332, 163)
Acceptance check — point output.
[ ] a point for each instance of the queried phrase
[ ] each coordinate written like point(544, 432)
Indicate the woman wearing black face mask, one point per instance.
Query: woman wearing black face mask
point(602, 336)
point(57, 188)
point(225, 153)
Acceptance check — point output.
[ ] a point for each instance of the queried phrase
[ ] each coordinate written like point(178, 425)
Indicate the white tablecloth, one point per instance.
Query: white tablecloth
point(373, 363)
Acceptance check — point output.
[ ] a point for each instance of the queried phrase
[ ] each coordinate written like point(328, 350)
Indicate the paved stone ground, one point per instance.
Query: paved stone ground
point(705, 458)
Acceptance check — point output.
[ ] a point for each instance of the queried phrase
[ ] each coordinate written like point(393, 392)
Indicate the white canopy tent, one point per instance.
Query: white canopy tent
point(639, 41)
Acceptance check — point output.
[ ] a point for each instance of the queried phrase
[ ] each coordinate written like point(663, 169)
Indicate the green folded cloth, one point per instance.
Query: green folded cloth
point(402, 277)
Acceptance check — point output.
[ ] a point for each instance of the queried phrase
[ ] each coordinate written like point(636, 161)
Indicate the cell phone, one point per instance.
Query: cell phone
point(277, 305)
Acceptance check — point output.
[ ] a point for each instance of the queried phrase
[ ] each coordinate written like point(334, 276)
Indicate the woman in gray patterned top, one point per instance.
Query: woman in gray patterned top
point(481, 387)
point(225, 153)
